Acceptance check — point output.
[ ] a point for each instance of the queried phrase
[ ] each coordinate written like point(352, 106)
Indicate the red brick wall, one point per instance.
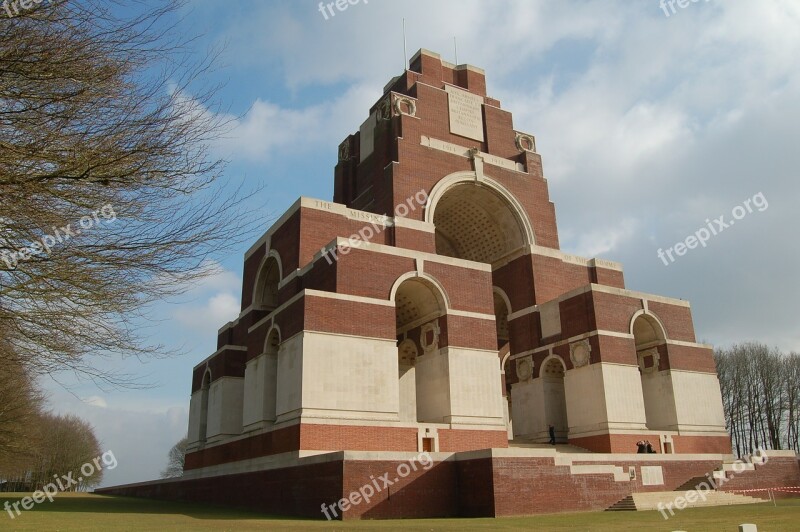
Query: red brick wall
point(777, 472)
point(475, 333)
point(626, 443)
point(357, 438)
point(524, 486)
point(297, 491)
point(702, 444)
point(514, 279)
point(481, 487)
point(457, 440)
point(468, 290)
point(420, 493)
point(676, 319)
point(607, 277)
point(554, 277)
point(691, 358)
point(349, 317)
point(614, 312)
point(275, 442)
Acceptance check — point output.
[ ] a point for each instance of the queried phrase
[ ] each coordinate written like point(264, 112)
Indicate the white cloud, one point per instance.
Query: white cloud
point(96, 400)
point(218, 310)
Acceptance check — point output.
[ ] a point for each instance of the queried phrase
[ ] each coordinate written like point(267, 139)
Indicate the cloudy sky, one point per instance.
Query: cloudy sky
point(648, 125)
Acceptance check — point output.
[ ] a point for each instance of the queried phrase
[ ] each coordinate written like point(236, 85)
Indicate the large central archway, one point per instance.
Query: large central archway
point(477, 220)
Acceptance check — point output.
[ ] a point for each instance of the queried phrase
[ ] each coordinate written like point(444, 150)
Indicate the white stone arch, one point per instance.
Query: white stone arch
point(440, 292)
point(555, 398)
point(419, 301)
point(276, 328)
point(506, 312)
point(650, 315)
point(505, 358)
point(465, 177)
point(658, 393)
point(205, 391)
point(500, 292)
point(550, 357)
point(273, 254)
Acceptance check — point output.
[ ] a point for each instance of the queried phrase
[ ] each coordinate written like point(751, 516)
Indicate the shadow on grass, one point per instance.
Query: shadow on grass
point(110, 504)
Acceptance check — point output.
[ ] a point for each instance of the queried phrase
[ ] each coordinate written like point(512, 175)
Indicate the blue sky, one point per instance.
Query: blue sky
point(648, 125)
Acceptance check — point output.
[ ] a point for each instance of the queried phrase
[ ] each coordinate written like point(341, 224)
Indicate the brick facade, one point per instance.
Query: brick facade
point(434, 242)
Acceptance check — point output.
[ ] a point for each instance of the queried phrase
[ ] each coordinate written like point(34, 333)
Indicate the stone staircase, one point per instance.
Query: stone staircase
point(652, 500)
point(707, 496)
point(663, 500)
point(625, 505)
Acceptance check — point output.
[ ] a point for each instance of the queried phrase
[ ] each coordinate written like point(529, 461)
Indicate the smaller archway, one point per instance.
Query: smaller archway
point(659, 401)
point(552, 373)
point(508, 377)
point(267, 283)
point(205, 390)
point(501, 311)
point(420, 305)
point(271, 350)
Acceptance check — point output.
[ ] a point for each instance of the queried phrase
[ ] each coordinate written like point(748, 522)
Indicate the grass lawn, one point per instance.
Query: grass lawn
point(94, 512)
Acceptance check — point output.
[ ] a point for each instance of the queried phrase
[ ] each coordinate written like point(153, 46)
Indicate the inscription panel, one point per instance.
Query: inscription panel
point(368, 136)
point(466, 113)
point(652, 476)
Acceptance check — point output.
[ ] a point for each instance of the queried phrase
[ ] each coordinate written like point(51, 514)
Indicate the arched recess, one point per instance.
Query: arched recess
point(650, 338)
point(509, 377)
point(477, 220)
point(419, 305)
point(502, 308)
point(204, 393)
point(552, 373)
point(271, 349)
point(265, 295)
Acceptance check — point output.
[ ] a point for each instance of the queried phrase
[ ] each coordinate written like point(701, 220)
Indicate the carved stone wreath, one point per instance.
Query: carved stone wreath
point(344, 151)
point(524, 368)
point(429, 337)
point(525, 143)
point(643, 358)
point(412, 106)
point(580, 353)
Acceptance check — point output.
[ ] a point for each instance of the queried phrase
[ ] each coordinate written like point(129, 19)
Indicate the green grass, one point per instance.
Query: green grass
point(93, 512)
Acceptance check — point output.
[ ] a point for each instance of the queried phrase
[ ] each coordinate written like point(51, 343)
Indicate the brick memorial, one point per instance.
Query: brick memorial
point(429, 309)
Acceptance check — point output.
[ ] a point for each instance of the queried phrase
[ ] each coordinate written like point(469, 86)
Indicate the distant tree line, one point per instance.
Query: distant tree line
point(55, 447)
point(761, 395)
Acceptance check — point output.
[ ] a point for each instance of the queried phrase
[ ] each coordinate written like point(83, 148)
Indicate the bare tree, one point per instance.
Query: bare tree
point(175, 460)
point(761, 396)
point(19, 406)
point(111, 198)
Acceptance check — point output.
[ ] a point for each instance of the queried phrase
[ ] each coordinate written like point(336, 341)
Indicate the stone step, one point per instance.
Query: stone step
point(660, 500)
point(625, 505)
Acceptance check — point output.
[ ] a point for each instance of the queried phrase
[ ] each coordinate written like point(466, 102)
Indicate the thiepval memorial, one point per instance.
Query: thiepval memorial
point(428, 310)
